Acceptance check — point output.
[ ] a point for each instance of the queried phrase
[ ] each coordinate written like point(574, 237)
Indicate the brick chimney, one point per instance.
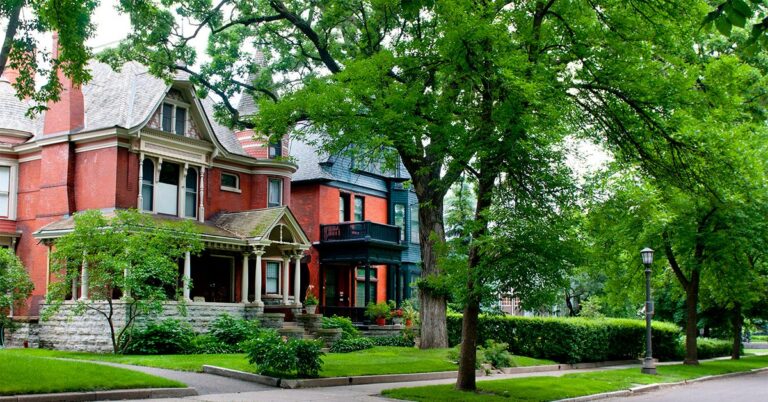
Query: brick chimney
point(57, 164)
point(68, 114)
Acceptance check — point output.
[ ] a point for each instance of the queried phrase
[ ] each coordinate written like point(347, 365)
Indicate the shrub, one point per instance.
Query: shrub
point(231, 331)
point(572, 340)
point(394, 340)
point(159, 338)
point(706, 348)
point(207, 345)
point(347, 327)
point(378, 310)
point(274, 355)
point(308, 357)
point(351, 345)
point(496, 354)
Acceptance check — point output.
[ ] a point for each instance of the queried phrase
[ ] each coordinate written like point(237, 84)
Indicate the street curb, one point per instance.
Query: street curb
point(116, 394)
point(330, 381)
point(653, 387)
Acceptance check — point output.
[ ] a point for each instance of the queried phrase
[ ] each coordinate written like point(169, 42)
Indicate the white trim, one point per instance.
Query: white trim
point(236, 189)
point(31, 158)
point(259, 169)
point(270, 180)
point(111, 144)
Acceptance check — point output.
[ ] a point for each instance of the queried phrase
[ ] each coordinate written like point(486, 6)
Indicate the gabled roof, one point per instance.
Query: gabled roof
point(258, 224)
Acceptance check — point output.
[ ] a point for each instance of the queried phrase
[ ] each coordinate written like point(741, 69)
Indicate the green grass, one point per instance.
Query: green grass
point(379, 360)
point(760, 338)
point(572, 385)
point(26, 373)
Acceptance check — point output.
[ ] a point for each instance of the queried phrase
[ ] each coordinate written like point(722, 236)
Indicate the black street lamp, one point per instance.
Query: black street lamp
point(649, 366)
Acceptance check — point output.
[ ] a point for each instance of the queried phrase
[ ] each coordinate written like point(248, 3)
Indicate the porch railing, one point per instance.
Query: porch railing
point(359, 231)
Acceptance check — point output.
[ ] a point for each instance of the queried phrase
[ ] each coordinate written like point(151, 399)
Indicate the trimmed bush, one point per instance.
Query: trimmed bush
point(572, 340)
point(707, 348)
point(208, 345)
point(347, 327)
point(351, 345)
point(161, 338)
point(394, 340)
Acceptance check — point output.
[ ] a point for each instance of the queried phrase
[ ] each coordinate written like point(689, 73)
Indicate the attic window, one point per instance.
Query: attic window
point(174, 118)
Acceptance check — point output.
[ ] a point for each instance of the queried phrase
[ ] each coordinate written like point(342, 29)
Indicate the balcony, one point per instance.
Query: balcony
point(365, 230)
point(359, 242)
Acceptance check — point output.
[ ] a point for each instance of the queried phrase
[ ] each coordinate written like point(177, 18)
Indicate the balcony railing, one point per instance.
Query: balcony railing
point(364, 230)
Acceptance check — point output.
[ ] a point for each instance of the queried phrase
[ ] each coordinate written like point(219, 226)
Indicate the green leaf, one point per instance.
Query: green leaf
point(723, 25)
point(736, 19)
point(742, 8)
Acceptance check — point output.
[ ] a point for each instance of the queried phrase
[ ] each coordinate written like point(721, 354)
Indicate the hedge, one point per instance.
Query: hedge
point(572, 340)
point(707, 348)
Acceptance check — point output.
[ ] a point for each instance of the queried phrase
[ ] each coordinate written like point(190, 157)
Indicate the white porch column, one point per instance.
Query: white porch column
point(84, 281)
point(257, 279)
point(140, 204)
point(74, 288)
point(244, 285)
point(286, 278)
point(201, 194)
point(297, 279)
point(156, 187)
point(187, 274)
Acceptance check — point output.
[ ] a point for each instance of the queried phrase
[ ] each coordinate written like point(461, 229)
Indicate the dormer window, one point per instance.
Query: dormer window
point(174, 118)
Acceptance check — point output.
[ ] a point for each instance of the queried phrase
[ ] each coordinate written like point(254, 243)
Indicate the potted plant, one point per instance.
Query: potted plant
point(378, 312)
point(409, 313)
point(310, 301)
point(397, 316)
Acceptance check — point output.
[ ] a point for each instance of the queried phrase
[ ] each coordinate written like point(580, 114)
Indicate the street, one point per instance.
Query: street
point(753, 387)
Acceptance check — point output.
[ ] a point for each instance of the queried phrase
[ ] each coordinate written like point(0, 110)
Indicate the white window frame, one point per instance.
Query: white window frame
point(174, 105)
point(13, 182)
point(235, 189)
point(279, 276)
point(181, 187)
point(280, 193)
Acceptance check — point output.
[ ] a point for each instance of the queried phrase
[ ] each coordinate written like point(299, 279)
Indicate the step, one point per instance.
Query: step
point(290, 324)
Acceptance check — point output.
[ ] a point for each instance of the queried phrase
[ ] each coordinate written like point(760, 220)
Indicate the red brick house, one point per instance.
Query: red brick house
point(129, 140)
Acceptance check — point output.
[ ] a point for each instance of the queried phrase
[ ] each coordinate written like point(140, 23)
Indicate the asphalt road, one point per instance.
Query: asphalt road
point(746, 388)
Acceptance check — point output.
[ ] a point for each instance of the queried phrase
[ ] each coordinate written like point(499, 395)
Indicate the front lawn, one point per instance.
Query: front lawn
point(26, 373)
point(572, 385)
point(379, 360)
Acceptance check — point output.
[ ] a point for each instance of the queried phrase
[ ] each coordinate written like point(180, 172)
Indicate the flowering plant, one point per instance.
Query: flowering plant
point(397, 313)
point(309, 297)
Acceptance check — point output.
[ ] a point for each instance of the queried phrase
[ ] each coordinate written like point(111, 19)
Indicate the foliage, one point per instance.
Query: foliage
point(22, 51)
point(410, 312)
point(166, 337)
point(576, 340)
point(377, 310)
point(274, 355)
point(496, 353)
point(351, 345)
point(708, 348)
point(205, 344)
point(347, 327)
point(15, 285)
point(394, 340)
point(591, 307)
point(130, 254)
point(231, 331)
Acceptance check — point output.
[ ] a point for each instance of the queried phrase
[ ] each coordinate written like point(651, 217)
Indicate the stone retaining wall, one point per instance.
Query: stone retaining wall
point(27, 330)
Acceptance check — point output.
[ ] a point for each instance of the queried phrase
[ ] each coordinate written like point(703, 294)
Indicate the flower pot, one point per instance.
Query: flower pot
point(310, 309)
point(397, 320)
point(408, 322)
point(381, 321)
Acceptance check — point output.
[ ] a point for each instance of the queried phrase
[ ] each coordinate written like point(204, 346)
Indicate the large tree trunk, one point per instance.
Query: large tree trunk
point(737, 321)
point(13, 24)
point(468, 357)
point(434, 328)
point(692, 320)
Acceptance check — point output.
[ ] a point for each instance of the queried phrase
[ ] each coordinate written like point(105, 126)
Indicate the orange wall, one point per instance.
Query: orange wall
point(96, 179)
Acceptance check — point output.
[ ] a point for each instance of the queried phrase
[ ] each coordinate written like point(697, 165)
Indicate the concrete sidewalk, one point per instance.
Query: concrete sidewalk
point(368, 392)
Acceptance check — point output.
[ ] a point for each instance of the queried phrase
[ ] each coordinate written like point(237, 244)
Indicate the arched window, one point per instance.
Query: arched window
point(190, 196)
point(148, 184)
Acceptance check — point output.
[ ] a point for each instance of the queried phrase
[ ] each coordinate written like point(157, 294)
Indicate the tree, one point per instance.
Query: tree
point(453, 87)
point(71, 21)
point(15, 287)
point(129, 255)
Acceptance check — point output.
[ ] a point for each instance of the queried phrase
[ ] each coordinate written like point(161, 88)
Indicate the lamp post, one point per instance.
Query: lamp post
point(649, 367)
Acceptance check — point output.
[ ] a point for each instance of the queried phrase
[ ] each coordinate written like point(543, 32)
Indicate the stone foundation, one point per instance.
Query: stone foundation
point(27, 331)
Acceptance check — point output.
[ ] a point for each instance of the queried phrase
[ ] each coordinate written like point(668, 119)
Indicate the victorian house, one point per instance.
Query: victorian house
point(129, 140)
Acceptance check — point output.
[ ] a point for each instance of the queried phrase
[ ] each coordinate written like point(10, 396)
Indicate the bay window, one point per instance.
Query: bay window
point(5, 191)
point(414, 223)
